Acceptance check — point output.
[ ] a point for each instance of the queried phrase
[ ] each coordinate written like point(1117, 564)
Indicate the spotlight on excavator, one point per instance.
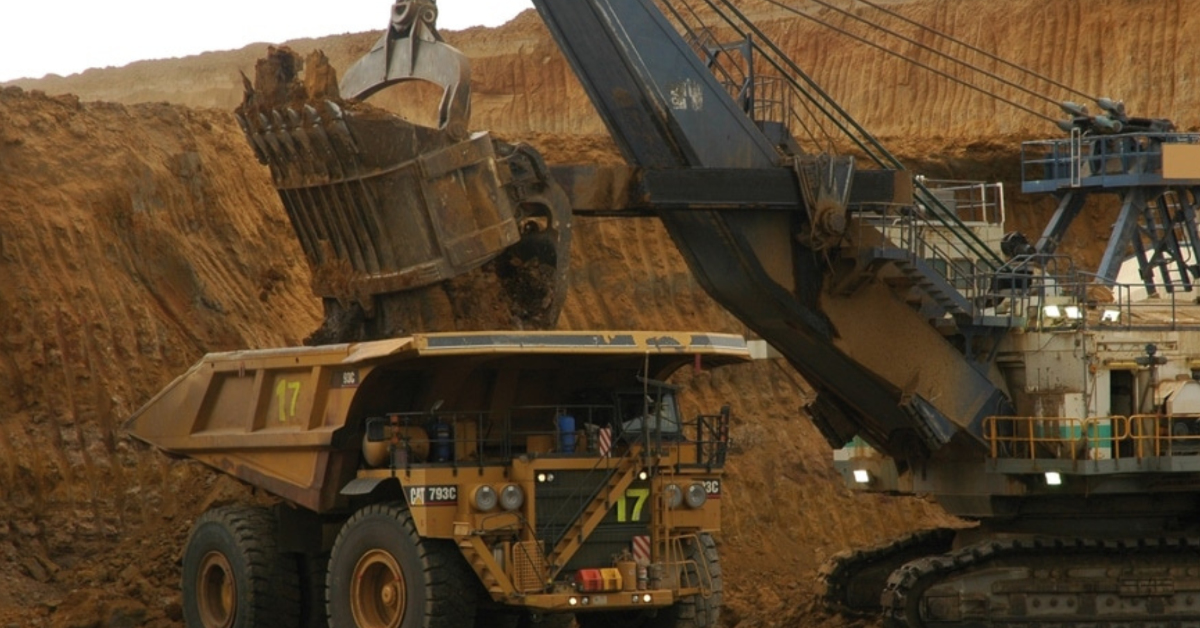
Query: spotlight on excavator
point(1074, 109)
point(1107, 124)
point(1115, 107)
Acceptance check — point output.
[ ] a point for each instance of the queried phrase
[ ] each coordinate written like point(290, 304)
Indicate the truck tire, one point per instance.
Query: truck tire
point(312, 568)
point(383, 575)
point(695, 611)
point(233, 574)
point(698, 611)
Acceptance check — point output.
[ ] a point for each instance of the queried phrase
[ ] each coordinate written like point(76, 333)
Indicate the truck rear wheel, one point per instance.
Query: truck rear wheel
point(695, 611)
point(233, 574)
point(383, 575)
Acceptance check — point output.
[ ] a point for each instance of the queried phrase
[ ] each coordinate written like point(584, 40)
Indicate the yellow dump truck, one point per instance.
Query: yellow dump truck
point(455, 479)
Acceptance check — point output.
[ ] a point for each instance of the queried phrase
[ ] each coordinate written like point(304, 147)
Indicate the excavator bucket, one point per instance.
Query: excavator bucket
point(391, 213)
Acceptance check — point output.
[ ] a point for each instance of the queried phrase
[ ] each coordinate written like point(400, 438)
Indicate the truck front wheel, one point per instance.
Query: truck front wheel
point(383, 575)
point(233, 574)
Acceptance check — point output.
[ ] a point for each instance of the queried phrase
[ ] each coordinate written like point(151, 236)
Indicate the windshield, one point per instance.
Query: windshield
point(656, 410)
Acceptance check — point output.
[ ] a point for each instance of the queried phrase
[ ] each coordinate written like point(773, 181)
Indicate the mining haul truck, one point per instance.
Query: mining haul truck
point(435, 479)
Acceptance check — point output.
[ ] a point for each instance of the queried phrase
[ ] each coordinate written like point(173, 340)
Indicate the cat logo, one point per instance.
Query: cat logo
point(433, 495)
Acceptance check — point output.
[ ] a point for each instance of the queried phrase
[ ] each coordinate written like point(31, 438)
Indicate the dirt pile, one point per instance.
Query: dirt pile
point(283, 78)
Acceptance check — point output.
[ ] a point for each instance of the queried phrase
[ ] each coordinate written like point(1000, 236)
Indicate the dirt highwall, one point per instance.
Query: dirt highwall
point(1136, 50)
point(134, 238)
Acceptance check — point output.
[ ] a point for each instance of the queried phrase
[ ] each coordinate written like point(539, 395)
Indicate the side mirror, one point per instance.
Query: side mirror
point(377, 430)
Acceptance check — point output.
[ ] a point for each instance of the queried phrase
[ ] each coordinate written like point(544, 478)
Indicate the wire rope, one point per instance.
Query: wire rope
point(979, 50)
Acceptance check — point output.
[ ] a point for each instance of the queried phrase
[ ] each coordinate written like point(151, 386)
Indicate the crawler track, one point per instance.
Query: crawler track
point(854, 579)
point(1050, 582)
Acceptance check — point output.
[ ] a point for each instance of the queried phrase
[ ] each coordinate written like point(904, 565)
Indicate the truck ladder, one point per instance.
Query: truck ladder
point(490, 573)
point(619, 479)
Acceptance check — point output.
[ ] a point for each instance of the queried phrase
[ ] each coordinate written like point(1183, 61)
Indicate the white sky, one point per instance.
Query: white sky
point(39, 37)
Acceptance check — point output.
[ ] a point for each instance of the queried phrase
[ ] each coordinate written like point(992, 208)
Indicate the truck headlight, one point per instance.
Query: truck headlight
point(674, 496)
point(511, 497)
point(696, 495)
point(485, 498)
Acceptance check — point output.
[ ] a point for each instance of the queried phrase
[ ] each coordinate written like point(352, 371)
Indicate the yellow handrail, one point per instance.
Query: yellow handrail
point(1056, 435)
point(1158, 430)
point(1068, 437)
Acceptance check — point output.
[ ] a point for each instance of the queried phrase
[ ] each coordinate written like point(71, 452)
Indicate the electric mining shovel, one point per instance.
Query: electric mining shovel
point(392, 214)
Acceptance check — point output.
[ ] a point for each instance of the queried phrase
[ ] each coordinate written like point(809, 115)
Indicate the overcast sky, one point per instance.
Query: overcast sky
point(39, 37)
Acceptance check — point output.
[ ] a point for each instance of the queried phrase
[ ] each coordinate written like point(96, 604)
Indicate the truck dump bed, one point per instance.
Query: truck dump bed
point(292, 421)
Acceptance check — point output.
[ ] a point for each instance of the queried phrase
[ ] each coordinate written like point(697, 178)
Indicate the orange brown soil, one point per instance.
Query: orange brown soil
point(136, 237)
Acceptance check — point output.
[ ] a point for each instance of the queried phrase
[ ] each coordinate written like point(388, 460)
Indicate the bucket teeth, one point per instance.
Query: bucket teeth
point(340, 131)
point(321, 146)
point(301, 146)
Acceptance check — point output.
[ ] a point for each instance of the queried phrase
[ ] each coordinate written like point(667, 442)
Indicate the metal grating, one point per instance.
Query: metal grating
point(529, 567)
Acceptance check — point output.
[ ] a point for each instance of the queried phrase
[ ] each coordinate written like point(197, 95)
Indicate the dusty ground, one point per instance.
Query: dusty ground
point(136, 237)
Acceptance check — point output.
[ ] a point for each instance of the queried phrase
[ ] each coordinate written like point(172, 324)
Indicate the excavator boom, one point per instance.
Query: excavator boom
point(669, 113)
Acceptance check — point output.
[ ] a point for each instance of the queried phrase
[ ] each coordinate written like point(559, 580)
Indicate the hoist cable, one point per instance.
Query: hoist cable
point(919, 64)
point(935, 51)
point(979, 50)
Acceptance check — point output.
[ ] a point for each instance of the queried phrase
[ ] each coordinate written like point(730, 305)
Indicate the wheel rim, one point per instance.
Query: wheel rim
point(217, 595)
point(377, 591)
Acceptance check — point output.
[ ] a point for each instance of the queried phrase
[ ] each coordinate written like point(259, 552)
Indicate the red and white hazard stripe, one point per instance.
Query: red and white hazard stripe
point(641, 549)
point(605, 441)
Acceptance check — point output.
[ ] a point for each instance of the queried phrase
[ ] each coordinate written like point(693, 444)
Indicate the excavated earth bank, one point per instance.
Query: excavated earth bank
point(136, 237)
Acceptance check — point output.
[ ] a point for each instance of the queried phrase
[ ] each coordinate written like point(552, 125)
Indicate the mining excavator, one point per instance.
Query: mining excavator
point(1054, 406)
point(1057, 408)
